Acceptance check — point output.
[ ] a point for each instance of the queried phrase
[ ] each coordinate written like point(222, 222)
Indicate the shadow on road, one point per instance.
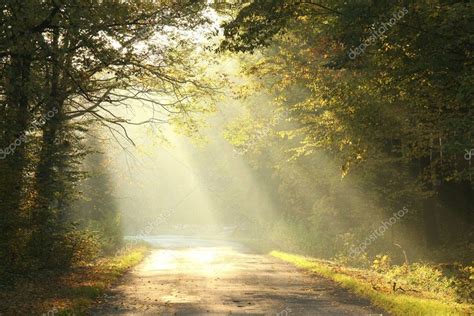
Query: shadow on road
point(188, 275)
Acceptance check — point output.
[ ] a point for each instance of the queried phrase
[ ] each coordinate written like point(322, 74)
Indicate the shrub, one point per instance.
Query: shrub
point(381, 263)
point(422, 277)
point(72, 248)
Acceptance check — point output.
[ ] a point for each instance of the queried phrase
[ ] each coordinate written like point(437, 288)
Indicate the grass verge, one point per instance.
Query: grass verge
point(394, 303)
point(70, 293)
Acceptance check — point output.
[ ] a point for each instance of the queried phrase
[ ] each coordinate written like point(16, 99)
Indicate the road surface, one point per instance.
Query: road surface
point(187, 276)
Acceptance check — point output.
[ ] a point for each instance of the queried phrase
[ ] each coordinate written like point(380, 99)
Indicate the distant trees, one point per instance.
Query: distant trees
point(65, 65)
point(97, 210)
point(397, 118)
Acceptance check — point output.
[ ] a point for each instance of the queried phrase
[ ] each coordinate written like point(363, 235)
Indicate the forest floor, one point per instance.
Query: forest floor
point(67, 293)
point(191, 276)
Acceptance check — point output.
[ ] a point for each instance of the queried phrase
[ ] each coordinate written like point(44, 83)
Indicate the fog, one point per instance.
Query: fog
point(246, 161)
point(200, 180)
point(208, 150)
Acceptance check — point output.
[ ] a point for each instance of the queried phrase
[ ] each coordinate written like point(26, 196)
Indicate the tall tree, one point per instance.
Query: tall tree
point(68, 60)
point(388, 91)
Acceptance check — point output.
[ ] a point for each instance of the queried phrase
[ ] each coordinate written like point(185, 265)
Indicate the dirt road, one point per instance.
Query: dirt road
point(186, 276)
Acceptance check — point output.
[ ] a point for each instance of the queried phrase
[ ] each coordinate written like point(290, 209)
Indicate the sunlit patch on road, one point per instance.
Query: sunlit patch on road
point(188, 275)
point(160, 260)
point(197, 261)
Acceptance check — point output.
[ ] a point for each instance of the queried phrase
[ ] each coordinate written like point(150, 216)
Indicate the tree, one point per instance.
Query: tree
point(397, 107)
point(68, 61)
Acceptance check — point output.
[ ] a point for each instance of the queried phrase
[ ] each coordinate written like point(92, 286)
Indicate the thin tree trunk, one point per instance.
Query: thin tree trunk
point(430, 223)
point(44, 213)
point(14, 164)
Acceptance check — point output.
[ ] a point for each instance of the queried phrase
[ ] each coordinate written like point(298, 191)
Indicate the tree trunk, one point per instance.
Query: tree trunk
point(13, 165)
point(44, 215)
point(430, 223)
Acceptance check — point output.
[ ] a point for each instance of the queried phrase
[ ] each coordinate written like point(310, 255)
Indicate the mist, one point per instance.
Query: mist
point(233, 157)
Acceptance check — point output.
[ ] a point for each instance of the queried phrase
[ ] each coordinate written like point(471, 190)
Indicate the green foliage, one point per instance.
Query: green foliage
point(64, 249)
point(83, 246)
point(422, 277)
point(267, 13)
point(65, 66)
point(381, 263)
point(392, 301)
point(96, 209)
point(463, 282)
point(364, 137)
point(454, 284)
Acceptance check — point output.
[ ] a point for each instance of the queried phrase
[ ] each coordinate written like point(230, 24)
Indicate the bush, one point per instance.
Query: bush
point(381, 263)
point(464, 284)
point(422, 277)
point(85, 246)
point(73, 248)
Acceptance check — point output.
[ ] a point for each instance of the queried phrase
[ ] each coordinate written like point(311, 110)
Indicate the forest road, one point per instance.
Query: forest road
point(188, 276)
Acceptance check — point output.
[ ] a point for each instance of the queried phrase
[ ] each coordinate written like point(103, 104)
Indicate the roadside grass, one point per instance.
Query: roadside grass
point(392, 302)
point(102, 275)
point(73, 292)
